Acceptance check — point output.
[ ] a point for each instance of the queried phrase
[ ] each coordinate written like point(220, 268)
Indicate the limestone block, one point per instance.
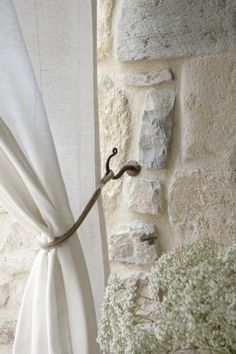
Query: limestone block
point(208, 105)
point(20, 290)
point(2, 210)
point(144, 195)
point(138, 278)
point(156, 128)
point(148, 79)
point(17, 262)
point(128, 245)
point(104, 28)
point(6, 348)
point(152, 29)
point(115, 121)
point(203, 203)
point(4, 292)
point(7, 330)
point(15, 237)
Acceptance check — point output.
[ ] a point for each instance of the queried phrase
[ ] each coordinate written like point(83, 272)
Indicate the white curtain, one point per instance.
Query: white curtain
point(57, 315)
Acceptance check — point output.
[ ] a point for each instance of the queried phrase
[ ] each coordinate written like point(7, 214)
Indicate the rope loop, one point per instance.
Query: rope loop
point(60, 239)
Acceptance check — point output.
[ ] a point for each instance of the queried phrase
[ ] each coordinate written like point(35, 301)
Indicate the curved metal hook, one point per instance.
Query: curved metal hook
point(132, 167)
point(114, 152)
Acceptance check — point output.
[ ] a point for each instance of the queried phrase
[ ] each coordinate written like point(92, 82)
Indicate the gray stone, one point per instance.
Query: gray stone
point(148, 79)
point(128, 245)
point(20, 289)
point(203, 203)
point(156, 128)
point(144, 195)
point(152, 29)
point(4, 293)
point(7, 330)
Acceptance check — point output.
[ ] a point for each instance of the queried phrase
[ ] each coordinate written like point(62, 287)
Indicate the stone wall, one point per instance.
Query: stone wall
point(17, 252)
point(167, 97)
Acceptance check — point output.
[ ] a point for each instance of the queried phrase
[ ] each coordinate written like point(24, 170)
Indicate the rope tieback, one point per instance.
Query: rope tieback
point(59, 240)
point(132, 168)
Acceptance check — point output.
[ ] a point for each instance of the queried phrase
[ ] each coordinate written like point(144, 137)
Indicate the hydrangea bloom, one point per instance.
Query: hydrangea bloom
point(191, 304)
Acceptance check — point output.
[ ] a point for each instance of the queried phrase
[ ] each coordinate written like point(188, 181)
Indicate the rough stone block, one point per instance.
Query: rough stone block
point(4, 293)
point(138, 278)
point(20, 289)
point(104, 28)
point(2, 210)
point(18, 262)
point(144, 195)
point(152, 29)
point(115, 122)
point(7, 330)
point(208, 105)
point(156, 128)
point(128, 245)
point(15, 237)
point(203, 203)
point(148, 79)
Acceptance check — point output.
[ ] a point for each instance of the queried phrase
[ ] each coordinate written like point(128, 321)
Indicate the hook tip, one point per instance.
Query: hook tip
point(115, 150)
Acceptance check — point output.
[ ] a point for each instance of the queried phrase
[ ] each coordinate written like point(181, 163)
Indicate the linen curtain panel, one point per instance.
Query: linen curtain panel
point(57, 314)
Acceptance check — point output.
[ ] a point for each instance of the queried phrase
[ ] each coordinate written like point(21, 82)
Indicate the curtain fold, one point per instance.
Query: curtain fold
point(57, 315)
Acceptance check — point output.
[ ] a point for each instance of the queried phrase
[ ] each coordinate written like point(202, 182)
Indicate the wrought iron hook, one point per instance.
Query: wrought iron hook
point(132, 167)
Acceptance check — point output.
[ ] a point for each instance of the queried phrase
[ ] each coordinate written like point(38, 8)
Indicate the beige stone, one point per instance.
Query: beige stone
point(104, 28)
point(144, 195)
point(15, 237)
point(2, 210)
point(134, 244)
point(115, 121)
point(208, 105)
point(202, 203)
point(17, 262)
point(7, 330)
point(20, 289)
point(148, 78)
point(4, 293)
point(6, 348)
point(138, 278)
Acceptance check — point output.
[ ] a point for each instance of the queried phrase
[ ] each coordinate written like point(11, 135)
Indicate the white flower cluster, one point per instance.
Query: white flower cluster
point(192, 305)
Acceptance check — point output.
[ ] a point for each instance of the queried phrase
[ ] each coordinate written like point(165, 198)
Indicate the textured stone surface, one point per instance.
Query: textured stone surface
point(148, 79)
point(203, 203)
point(15, 237)
point(7, 330)
point(156, 128)
point(144, 195)
point(18, 262)
point(208, 105)
point(150, 29)
point(20, 289)
point(2, 210)
point(138, 278)
point(5, 348)
point(128, 246)
point(4, 292)
point(115, 121)
point(104, 30)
